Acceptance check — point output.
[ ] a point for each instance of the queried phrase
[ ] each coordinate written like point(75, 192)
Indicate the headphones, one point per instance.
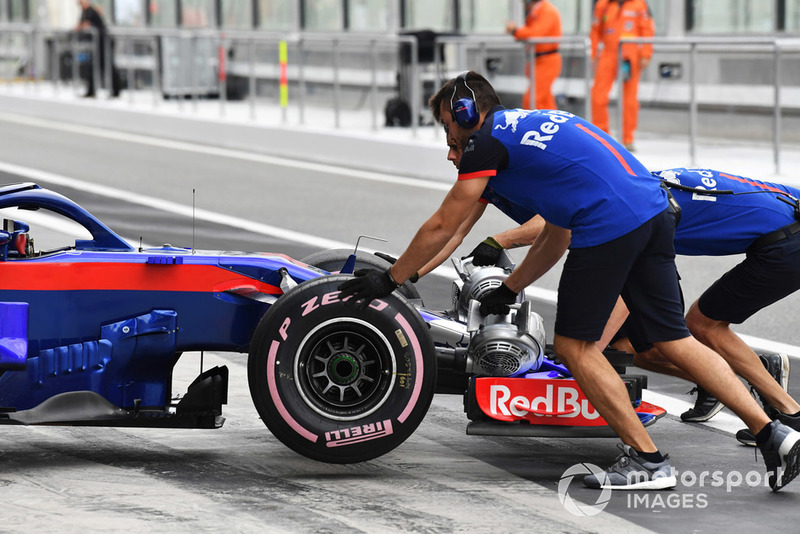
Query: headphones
point(464, 110)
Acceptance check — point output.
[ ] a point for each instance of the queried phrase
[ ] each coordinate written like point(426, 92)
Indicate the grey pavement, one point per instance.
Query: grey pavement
point(361, 140)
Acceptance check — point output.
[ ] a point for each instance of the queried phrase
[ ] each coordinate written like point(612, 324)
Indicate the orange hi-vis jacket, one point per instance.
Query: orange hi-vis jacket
point(543, 20)
point(614, 20)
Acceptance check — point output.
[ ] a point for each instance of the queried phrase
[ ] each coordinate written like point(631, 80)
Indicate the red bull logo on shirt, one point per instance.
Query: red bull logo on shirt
point(512, 118)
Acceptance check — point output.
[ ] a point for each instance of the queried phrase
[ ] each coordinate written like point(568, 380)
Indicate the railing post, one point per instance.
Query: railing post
point(283, 68)
point(416, 91)
point(373, 64)
point(222, 75)
point(692, 102)
point(620, 95)
point(156, 71)
point(74, 50)
point(532, 75)
point(251, 92)
point(33, 74)
point(103, 42)
point(301, 80)
point(182, 70)
point(54, 64)
point(587, 82)
point(6, 42)
point(129, 49)
point(437, 69)
point(336, 88)
point(29, 68)
point(776, 136)
point(193, 72)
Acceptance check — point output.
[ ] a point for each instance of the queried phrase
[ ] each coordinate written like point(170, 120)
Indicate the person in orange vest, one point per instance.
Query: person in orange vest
point(542, 20)
point(613, 20)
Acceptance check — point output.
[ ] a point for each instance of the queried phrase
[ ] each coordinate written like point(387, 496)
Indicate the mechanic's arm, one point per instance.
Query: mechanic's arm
point(489, 250)
point(437, 231)
point(522, 235)
point(456, 240)
point(545, 252)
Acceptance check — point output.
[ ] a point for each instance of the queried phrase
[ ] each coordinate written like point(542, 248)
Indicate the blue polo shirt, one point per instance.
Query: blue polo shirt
point(517, 213)
point(562, 167)
point(718, 225)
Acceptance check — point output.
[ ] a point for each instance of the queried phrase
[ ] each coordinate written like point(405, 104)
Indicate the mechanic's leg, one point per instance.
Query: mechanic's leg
point(624, 344)
point(652, 360)
point(746, 363)
point(714, 375)
point(614, 323)
point(605, 390)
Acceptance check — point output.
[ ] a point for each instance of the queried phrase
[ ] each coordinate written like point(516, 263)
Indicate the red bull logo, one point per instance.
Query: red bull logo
point(512, 119)
point(540, 401)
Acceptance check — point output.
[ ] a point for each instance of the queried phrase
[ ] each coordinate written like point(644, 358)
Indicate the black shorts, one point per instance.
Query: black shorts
point(632, 330)
point(766, 275)
point(640, 266)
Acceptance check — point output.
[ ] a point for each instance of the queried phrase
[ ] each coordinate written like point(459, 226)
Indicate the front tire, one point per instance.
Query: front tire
point(332, 260)
point(339, 384)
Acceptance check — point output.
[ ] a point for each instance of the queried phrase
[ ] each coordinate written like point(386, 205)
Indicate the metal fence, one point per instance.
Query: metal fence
point(372, 75)
point(25, 47)
point(581, 46)
point(692, 46)
point(484, 45)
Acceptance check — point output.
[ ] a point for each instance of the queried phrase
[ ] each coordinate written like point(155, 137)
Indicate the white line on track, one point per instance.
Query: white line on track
point(226, 153)
point(206, 215)
point(544, 295)
point(172, 207)
point(722, 421)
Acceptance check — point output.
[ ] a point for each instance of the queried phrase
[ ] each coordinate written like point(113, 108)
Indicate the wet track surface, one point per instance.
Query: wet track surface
point(241, 479)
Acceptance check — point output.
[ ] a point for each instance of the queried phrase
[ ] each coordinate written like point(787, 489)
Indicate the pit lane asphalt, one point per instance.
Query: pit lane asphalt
point(240, 478)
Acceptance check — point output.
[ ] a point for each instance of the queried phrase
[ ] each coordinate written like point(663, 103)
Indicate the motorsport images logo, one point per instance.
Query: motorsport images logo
point(574, 507)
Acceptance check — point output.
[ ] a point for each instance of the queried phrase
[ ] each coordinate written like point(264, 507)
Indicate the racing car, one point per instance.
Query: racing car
point(90, 334)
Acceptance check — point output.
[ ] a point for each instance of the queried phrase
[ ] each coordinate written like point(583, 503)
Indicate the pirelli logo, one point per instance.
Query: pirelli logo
point(357, 434)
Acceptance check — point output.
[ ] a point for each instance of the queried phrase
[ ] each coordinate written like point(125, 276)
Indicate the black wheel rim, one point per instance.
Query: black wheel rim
point(345, 369)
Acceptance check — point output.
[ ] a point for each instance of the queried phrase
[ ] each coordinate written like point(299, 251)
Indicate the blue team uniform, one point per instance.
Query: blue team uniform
point(517, 213)
point(557, 165)
point(718, 225)
point(564, 168)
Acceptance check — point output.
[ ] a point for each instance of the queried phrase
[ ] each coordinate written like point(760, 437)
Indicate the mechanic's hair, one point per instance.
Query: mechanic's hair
point(485, 96)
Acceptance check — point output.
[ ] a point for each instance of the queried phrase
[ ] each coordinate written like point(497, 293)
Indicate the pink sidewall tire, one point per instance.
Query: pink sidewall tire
point(338, 384)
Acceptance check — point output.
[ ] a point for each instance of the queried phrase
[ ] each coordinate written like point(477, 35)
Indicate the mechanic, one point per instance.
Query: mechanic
point(601, 202)
point(542, 20)
point(714, 225)
point(760, 219)
point(613, 20)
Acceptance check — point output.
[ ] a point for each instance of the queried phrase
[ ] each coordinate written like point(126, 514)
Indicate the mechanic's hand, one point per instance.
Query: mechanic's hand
point(497, 300)
point(392, 260)
point(486, 253)
point(367, 285)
